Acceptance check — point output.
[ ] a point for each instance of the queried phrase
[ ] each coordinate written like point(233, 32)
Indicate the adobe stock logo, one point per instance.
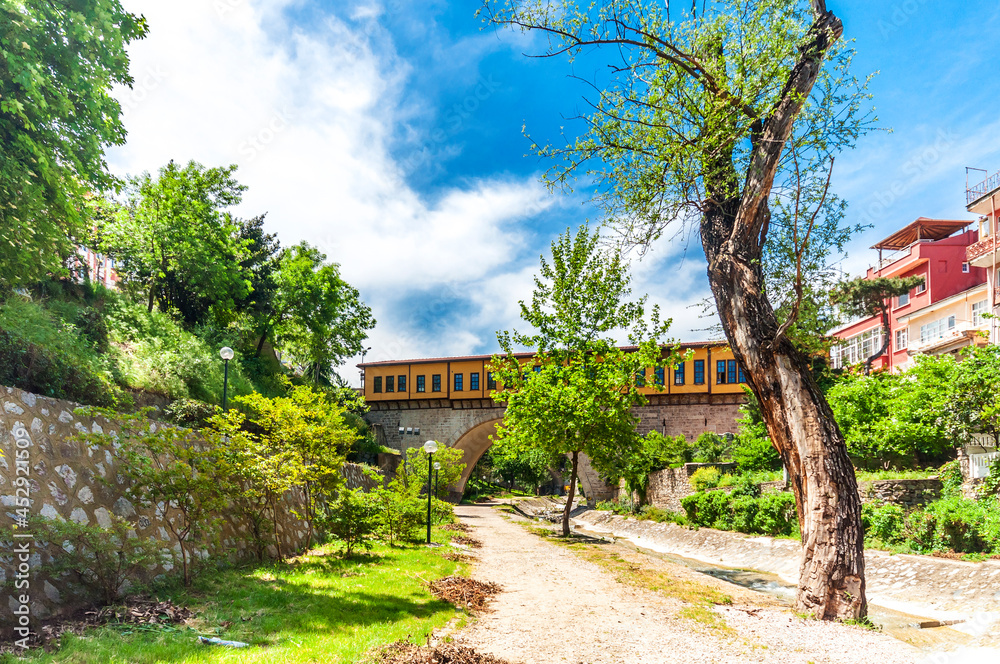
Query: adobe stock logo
point(258, 142)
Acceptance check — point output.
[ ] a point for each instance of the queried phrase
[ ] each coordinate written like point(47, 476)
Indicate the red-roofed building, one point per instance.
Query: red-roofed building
point(934, 249)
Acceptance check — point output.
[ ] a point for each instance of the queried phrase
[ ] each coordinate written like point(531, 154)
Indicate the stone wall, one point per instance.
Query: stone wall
point(65, 479)
point(906, 493)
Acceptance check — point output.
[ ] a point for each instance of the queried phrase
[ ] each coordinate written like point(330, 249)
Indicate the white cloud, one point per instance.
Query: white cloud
point(308, 115)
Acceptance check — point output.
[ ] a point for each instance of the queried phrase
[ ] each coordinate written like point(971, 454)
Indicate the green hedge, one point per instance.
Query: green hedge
point(765, 514)
point(952, 524)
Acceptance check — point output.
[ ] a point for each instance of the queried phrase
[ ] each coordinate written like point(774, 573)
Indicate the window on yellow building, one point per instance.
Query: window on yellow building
point(459, 379)
point(491, 382)
point(390, 383)
point(378, 384)
point(421, 383)
point(401, 383)
point(474, 381)
point(679, 374)
point(436, 383)
point(699, 372)
point(660, 375)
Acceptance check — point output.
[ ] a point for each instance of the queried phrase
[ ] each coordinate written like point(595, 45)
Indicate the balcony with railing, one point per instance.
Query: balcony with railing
point(944, 336)
point(980, 254)
point(977, 191)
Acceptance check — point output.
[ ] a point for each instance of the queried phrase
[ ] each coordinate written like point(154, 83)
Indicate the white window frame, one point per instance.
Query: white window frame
point(901, 339)
point(857, 348)
point(921, 288)
point(978, 309)
point(966, 268)
point(902, 300)
point(937, 329)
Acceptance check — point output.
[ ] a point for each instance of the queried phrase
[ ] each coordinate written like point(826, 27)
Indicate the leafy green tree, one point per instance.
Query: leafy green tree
point(59, 61)
point(895, 420)
point(317, 317)
point(710, 447)
point(577, 396)
point(972, 401)
point(452, 466)
point(308, 431)
point(702, 117)
point(352, 519)
point(527, 468)
point(176, 245)
point(172, 471)
point(656, 452)
point(863, 298)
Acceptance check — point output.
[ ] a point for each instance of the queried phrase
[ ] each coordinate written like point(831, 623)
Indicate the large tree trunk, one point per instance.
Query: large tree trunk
point(734, 229)
point(571, 495)
point(802, 428)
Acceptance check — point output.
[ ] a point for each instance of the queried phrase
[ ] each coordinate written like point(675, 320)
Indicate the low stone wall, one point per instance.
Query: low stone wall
point(56, 477)
point(906, 493)
point(668, 486)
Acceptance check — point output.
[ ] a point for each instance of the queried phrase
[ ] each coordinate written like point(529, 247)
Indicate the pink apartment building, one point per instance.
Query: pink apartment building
point(984, 199)
point(936, 250)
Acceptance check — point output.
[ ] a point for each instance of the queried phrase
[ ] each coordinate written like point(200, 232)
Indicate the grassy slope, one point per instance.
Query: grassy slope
point(318, 609)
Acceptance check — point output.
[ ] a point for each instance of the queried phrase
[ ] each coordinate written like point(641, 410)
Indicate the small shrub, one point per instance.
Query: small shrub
point(882, 523)
point(954, 524)
point(711, 448)
point(706, 478)
point(776, 514)
point(752, 449)
point(103, 560)
point(768, 514)
point(662, 516)
point(352, 519)
point(399, 511)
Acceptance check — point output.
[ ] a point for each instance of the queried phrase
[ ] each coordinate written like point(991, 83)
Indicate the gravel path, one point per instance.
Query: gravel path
point(559, 608)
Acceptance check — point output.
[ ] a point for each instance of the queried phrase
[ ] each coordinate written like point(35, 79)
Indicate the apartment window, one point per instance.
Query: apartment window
point(436, 383)
point(743, 376)
point(660, 375)
point(421, 383)
point(720, 372)
point(401, 383)
point(857, 348)
point(903, 299)
point(640, 378)
point(491, 382)
point(378, 384)
point(921, 288)
point(679, 374)
point(474, 381)
point(390, 383)
point(699, 372)
point(936, 330)
point(459, 379)
point(978, 309)
point(965, 268)
point(901, 339)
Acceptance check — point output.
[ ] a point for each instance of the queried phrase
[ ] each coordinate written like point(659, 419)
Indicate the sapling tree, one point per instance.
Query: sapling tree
point(704, 116)
point(172, 471)
point(576, 395)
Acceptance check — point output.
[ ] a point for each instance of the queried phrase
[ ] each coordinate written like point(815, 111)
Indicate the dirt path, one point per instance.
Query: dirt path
point(560, 608)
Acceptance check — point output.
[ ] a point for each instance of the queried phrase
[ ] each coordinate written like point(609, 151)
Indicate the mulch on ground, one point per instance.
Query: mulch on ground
point(446, 653)
point(470, 542)
point(464, 592)
point(460, 527)
point(135, 611)
point(456, 557)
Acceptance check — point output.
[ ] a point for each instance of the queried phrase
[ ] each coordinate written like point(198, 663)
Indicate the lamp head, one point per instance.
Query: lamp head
point(226, 353)
point(431, 446)
point(437, 465)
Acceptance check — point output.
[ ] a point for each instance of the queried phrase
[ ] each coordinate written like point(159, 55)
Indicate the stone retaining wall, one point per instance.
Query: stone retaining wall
point(906, 493)
point(65, 479)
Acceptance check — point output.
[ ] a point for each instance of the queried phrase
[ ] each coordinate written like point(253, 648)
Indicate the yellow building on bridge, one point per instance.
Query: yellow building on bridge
point(710, 369)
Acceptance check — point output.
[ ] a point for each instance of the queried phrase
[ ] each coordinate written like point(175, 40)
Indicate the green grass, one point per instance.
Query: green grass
point(873, 475)
point(317, 608)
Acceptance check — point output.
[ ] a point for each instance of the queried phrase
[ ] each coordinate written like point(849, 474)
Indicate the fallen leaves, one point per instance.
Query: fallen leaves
point(446, 653)
point(464, 592)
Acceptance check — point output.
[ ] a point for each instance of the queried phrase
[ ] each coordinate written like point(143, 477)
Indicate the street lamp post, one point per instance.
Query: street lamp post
point(226, 354)
point(437, 467)
point(430, 447)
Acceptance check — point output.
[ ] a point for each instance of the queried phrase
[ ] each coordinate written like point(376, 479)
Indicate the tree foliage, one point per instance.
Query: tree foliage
point(863, 298)
point(177, 246)
point(577, 394)
point(58, 63)
point(655, 452)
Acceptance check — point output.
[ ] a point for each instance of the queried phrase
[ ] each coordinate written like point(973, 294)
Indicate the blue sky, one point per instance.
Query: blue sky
point(389, 133)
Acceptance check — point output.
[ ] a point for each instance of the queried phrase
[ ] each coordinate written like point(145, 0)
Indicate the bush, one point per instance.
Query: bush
point(658, 515)
point(352, 519)
point(954, 524)
point(882, 523)
point(767, 514)
point(102, 560)
point(42, 354)
point(399, 511)
point(705, 478)
point(752, 449)
point(711, 448)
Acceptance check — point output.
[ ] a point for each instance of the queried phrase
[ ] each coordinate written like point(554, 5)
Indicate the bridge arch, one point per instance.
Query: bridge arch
point(476, 440)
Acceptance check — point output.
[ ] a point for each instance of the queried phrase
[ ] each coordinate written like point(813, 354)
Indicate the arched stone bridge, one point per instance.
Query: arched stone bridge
point(467, 424)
